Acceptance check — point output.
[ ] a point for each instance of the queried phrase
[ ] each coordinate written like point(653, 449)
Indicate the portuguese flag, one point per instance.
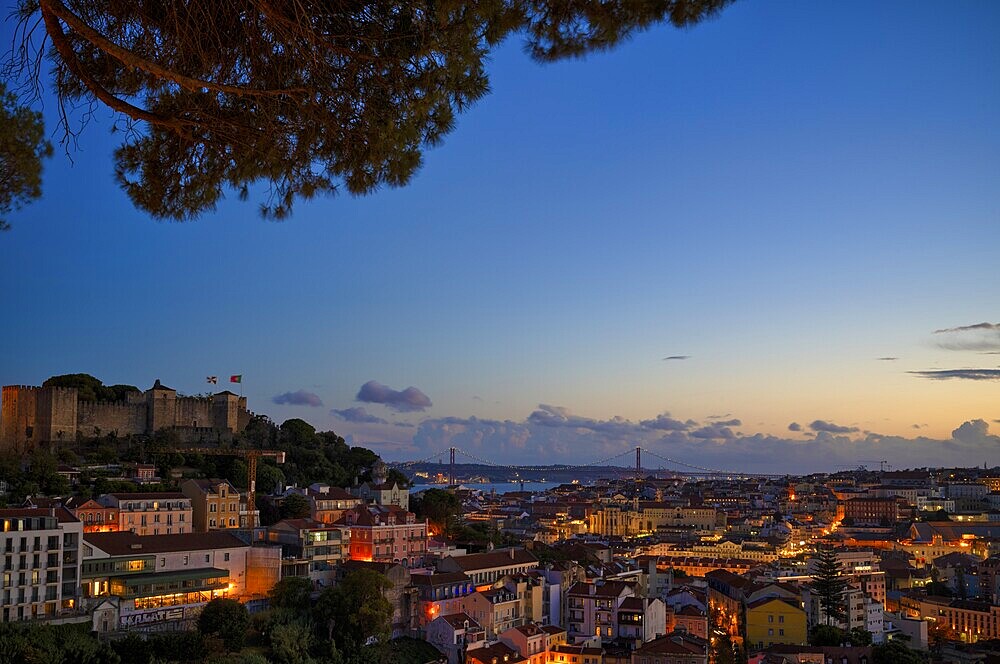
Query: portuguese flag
point(236, 378)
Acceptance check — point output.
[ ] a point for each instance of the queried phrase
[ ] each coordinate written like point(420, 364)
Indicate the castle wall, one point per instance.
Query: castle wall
point(161, 410)
point(193, 412)
point(17, 417)
point(56, 411)
point(31, 416)
point(104, 417)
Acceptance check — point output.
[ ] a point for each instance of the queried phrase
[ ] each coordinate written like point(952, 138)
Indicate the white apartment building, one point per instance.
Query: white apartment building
point(41, 562)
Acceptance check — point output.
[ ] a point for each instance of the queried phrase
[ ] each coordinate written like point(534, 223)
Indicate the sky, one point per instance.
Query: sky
point(797, 202)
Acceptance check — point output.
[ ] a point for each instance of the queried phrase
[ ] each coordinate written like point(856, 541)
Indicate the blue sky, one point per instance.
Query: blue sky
point(784, 194)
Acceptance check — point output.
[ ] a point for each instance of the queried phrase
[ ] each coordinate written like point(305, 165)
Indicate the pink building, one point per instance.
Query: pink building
point(386, 534)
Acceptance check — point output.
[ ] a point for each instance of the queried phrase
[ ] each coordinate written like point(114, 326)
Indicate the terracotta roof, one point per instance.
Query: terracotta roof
point(375, 515)
point(632, 604)
point(438, 578)
point(606, 589)
point(494, 559)
point(458, 620)
point(333, 493)
point(674, 644)
point(767, 600)
point(306, 524)
point(61, 514)
point(128, 543)
point(209, 486)
point(502, 652)
point(153, 495)
point(529, 629)
point(576, 650)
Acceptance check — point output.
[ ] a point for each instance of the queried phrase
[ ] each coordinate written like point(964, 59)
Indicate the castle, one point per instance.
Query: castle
point(33, 416)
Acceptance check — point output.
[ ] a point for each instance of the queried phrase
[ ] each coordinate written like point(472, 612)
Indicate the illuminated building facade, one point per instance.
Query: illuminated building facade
point(161, 582)
point(155, 513)
point(215, 504)
point(386, 534)
point(41, 562)
point(440, 594)
point(96, 518)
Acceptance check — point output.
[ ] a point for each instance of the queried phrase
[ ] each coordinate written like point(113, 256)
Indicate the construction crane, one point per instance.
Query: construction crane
point(883, 465)
point(251, 456)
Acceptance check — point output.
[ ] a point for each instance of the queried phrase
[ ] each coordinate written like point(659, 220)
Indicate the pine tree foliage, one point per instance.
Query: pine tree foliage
point(22, 149)
point(300, 97)
point(830, 585)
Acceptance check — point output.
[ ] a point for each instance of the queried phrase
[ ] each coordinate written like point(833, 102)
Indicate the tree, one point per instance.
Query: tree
point(827, 635)
point(439, 506)
point(293, 593)
point(295, 506)
point(226, 618)
point(89, 388)
point(305, 97)
point(290, 643)
point(829, 584)
point(895, 652)
point(859, 636)
point(22, 149)
point(394, 475)
point(355, 611)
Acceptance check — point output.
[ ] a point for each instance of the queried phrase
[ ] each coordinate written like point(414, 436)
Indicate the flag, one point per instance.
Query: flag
point(236, 378)
point(213, 379)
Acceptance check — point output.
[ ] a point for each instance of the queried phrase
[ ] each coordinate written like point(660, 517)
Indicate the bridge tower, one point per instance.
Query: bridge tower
point(638, 463)
point(451, 467)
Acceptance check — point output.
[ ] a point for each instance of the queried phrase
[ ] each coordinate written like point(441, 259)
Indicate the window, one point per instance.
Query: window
point(207, 557)
point(225, 557)
point(781, 632)
point(781, 619)
point(770, 632)
point(770, 619)
point(185, 560)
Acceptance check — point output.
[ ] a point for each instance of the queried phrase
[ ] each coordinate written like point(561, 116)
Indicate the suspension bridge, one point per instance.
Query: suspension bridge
point(675, 466)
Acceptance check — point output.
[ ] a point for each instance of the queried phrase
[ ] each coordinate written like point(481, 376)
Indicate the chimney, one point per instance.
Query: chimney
point(512, 553)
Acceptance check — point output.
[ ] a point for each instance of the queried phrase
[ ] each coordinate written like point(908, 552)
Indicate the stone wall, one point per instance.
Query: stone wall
point(193, 412)
point(33, 415)
point(104, 417)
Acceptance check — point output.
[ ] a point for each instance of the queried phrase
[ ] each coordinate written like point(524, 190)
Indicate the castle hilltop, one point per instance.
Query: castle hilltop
point(33, 416)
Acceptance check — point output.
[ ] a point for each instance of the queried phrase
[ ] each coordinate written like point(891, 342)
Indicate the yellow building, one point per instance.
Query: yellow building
point(774, 620)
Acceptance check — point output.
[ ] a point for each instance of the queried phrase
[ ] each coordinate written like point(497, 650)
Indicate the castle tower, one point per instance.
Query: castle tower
point(57, 414)
point(161, 407)
point(226, 411)
point(17, 417)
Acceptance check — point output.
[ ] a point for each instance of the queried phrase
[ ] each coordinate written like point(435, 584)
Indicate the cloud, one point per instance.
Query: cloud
point(714, 432)
point(718, 417)
point(795, 426)
point(677, 357)
point(553, 435)
point(830, 427)
point(981, 336)
point(735, 422)
point(357, 414)
point(975, 432)
point(886, 359)
point(408, 400)
point(664, 422)
point(962, 374)
point(299, 398)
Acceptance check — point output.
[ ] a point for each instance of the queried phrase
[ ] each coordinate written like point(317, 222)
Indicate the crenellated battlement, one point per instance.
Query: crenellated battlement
point(34, 414)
